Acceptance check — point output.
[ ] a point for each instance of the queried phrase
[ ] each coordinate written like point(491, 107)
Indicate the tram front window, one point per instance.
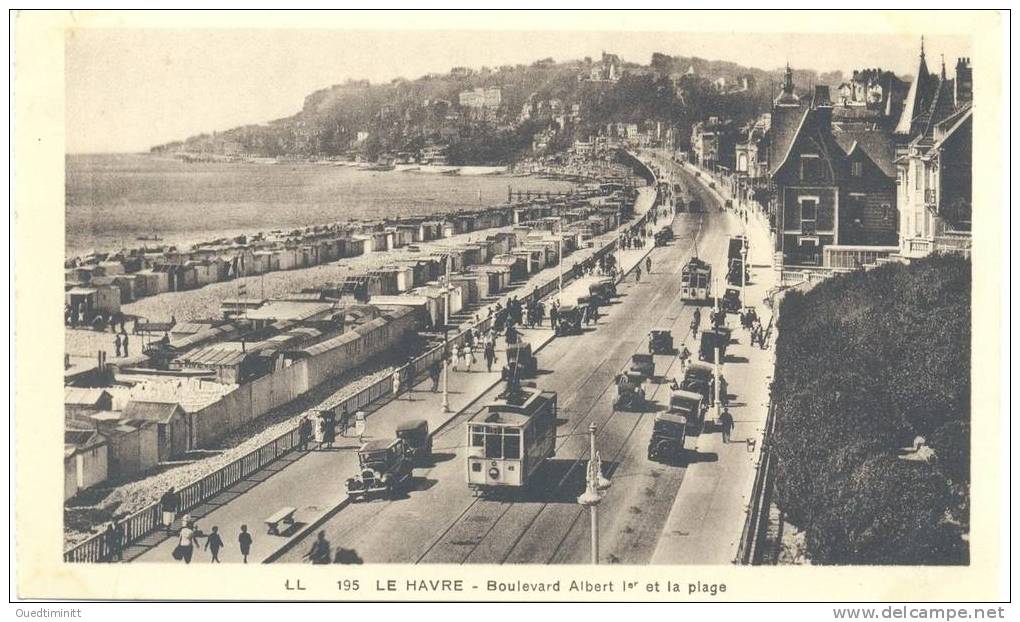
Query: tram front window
point(493, 445)
point(512, 445)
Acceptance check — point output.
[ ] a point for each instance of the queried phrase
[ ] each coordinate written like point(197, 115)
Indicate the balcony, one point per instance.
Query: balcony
point(845, 257)
point(917, 247)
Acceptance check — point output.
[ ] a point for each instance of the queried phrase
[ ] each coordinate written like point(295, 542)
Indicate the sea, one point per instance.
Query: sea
point(114, 200)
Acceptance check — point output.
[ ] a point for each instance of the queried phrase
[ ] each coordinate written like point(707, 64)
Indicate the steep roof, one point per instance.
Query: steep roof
point(81, 396)
point(160, 412)
point(877, 144)
point(917, 98)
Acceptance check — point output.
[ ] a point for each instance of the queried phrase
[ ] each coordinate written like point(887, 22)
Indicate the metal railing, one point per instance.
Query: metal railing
point(148, 519)
point(753, 536)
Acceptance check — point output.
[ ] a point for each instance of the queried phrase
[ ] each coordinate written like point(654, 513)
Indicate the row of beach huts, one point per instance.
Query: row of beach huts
point(204, 379)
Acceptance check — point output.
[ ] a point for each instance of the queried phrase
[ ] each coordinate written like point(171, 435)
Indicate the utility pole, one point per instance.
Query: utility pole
point(597, 485)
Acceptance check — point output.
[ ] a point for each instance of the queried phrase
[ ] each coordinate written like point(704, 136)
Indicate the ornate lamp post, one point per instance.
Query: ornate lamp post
point(595, 490)
point(446, 369)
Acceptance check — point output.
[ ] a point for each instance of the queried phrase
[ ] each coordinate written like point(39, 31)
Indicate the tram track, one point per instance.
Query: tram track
point(536, 511)
point(441, 523)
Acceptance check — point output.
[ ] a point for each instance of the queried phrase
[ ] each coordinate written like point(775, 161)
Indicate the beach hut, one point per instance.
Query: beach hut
point(85, 460)
point(517, 263)
point(133, 448)
point(388, 280)
point(91, 301)
point(171, 425)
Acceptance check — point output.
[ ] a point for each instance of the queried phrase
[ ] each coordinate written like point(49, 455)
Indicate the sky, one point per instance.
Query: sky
point(130, 89)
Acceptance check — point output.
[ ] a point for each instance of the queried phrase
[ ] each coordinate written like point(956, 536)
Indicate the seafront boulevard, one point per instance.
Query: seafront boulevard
point(313, 482)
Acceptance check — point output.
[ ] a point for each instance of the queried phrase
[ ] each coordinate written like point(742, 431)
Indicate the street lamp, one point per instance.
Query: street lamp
point(596, 487)
point(560, 245)
point(446, 369)
point(717, 366)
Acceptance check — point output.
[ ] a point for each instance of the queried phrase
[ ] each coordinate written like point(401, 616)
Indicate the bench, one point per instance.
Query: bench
point(283, 515)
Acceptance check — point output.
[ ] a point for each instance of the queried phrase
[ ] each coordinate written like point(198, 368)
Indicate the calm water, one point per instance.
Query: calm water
point(110, 200)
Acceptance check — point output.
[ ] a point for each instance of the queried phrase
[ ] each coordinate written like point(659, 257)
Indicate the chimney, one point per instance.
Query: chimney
point(822, 106)
point(963, 86)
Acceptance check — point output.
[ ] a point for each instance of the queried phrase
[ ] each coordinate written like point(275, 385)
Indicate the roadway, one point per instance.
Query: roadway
point(440, 521)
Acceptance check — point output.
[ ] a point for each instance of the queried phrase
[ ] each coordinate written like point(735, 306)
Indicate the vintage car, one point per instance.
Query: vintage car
point(569, 320)
point(668, 434)
point(733, 276)
point(642, 364)
point(689, 404)
point(663, 236)
point(603, 290)
point(660, 342)
point(417, 442)
point(710, 341)
point(700, 379)
point(520, 356)
point(385, 468)
point(629, 393)
point(730, 302)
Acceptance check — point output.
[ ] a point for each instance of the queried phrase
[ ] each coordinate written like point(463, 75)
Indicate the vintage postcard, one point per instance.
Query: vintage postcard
point(571, 306)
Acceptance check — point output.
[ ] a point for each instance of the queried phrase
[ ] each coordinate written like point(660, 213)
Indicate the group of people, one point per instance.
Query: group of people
point(752, 323)
point(323, 427)
point(187, 537)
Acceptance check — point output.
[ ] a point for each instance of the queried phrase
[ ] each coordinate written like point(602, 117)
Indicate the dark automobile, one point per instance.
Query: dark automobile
point(569, 321)
point(642, 364)
point(730, 302)
point(603, 290)
point(668, 434)
point(660, 342)
point(629, 393)
point(384, 469)
point(711, 340)
point(417, 442)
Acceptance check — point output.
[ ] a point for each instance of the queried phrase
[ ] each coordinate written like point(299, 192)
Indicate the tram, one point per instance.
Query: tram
point(696, 281)
point(510, 439)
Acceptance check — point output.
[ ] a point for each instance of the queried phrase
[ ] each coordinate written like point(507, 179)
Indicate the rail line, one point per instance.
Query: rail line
point(583, 457)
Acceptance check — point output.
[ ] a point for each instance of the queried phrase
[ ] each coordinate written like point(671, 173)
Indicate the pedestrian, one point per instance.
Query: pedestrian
point(124, 341)
point(396, 385)
point(539, 313)
point(320, 551)
point(304, 433)
point(329, 429)
point(490, 356)
point(435, 371)
point(455, 355)
point(685, 356)
point(213, 544)
point(554, 315)
point(345, 420)
point(726, 422)
point(469, 357)
point(637, 275)
point(114, 537)
point(244, 543)
point(185, 543)
point(116, 345)
point(648, 265)
point(169, 503)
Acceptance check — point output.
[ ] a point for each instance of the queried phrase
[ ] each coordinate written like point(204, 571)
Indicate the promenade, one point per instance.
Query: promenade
point(313, 482)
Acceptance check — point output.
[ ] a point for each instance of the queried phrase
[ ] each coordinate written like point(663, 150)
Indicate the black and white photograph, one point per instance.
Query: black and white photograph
point(439, 297)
